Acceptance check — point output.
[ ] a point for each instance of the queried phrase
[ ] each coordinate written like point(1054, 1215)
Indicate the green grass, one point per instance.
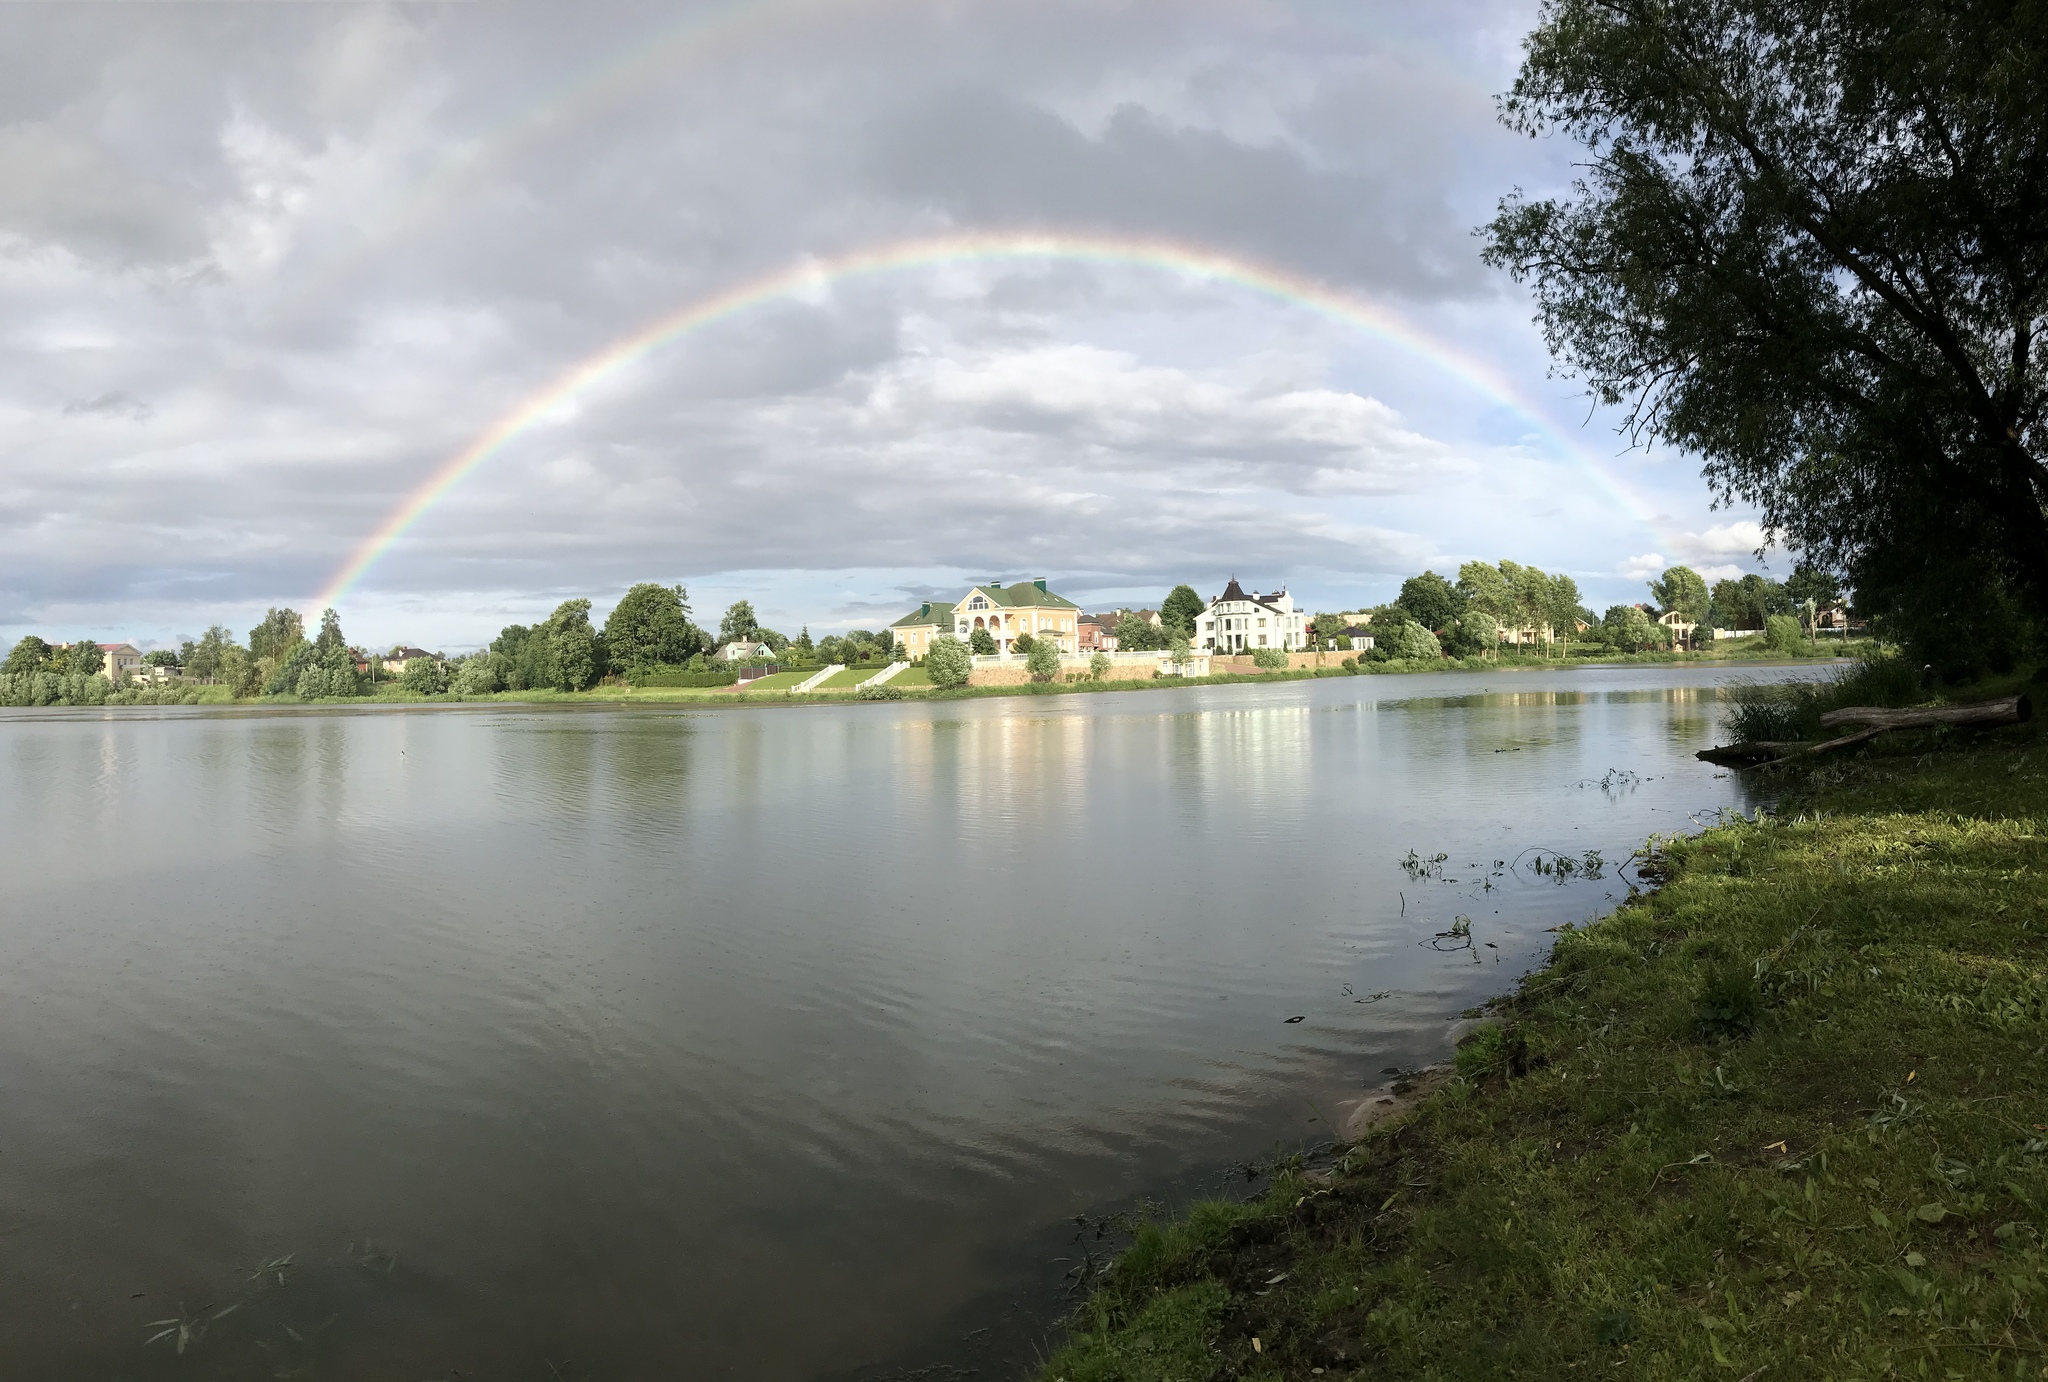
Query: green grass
point(1786, 1116)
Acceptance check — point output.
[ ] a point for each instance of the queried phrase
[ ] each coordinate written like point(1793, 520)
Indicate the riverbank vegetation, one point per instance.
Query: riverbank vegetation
point(1783, 1115)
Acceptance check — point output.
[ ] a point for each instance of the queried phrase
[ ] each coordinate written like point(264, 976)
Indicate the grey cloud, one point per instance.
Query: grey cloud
point(988, 158)
point(118, 403)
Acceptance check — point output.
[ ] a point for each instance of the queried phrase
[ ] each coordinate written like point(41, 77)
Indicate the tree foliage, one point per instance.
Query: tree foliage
point(1434, 601)
point(1043, 660)
point(738, 624)
point(946, 662)
point(1810, 246)
point(1683, 589)
point(650, 627)
point(1182, 607)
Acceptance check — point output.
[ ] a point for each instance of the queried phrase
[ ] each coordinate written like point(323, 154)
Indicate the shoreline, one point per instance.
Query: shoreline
point(611, 695)
point(1734, 1126)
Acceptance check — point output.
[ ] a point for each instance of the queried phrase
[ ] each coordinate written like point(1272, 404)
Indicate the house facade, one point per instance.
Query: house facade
point(120, 660)
point(394, 662)
point(915, 631)
point(743, 650)
point(1240, 621)
point(1025, 607)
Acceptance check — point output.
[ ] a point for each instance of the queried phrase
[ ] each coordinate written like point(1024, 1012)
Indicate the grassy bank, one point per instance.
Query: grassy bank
point(1785, 1116)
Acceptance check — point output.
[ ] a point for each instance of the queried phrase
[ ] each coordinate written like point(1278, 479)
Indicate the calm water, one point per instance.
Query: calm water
point(763, 1043)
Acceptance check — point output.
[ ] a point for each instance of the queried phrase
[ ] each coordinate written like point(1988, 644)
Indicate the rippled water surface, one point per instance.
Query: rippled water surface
point(764, 1043)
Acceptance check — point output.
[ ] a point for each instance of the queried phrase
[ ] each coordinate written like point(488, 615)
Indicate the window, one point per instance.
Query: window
point(1262, 639)
point(1262, 624)
point(1209, 624)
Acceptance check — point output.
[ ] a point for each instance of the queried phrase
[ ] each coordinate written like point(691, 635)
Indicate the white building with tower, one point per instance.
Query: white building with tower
point(1238, 621)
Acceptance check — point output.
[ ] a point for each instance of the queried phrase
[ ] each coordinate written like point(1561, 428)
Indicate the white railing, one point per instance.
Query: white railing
point(818, 676)
point(882, 676)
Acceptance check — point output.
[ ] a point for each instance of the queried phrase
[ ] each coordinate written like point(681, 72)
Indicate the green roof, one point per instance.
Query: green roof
point(926, 613)
point(1026, 593)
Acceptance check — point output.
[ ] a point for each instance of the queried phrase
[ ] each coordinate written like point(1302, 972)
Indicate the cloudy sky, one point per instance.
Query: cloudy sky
point(267, 268)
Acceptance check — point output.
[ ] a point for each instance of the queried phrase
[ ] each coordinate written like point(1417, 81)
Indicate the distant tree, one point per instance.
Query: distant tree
point(1328, 628)
point(1782, 633)
point(424, 676)
point(1099, 665)
point(478, 675)
point(31, 654)
point(1135, 635)
point(1479, 632)
point(982, 642)
point(1683, 589)
point(1411, 640)
point(1627, 629)
point(1560, 607)
point(1023, 643)
point(1434, 601)
point(1182, 607)
point(650, 627)
point(330, 641)
point(1043, 660)
point(775, 641)
point(739, 623)
point(946, 662)
point(160, 657)
point(1809, 582)
point(1484, 588)
point(275, 636)
point(572, 646)
point(803, 644)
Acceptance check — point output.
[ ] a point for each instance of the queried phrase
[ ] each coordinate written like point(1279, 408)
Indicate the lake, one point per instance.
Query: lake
point(778, 1043)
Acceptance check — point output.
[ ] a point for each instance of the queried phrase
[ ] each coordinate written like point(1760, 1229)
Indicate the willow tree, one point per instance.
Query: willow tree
point(1809, 245)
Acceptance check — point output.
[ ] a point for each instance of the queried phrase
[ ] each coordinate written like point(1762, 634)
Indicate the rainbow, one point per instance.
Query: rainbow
point(970, 247)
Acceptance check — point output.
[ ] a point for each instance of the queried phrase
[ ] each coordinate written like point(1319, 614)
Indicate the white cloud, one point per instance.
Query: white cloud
point(1642, 568)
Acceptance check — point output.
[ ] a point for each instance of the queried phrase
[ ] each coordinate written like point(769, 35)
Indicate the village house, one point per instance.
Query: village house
point(743, 650)
point(120, 660)
point(395, 660)
point(916, 630)
point(1095, 633)
point(1239, 621)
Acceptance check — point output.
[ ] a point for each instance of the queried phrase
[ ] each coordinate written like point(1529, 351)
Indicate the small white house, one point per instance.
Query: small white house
point(1238, 621)
point(743, 650)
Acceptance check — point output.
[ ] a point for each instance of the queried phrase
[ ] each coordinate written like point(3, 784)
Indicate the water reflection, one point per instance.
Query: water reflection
point(630, 1037)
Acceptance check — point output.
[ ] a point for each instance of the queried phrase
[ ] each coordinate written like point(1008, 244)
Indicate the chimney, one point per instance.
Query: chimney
point(1040, 583)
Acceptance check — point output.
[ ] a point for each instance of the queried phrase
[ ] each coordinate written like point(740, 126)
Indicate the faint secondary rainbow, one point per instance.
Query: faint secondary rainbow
point(1184, 260)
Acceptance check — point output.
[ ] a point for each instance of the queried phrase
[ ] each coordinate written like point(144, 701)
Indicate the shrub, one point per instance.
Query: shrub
point(1098, 666)
point(478, 676)
point(947, 662)
point(1043, 660)
point(1412, 641)
point(982, 642)
point(1342, 643)
point(878, 693)
point(424, 676)
point(1270, 659)
point(1782, 634)
point(1023, 643)
point(693, 673)
point(1350, 664)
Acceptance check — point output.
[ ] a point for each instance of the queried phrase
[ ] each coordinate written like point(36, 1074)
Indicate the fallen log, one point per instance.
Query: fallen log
point(2013, 710)
point(1750, 752)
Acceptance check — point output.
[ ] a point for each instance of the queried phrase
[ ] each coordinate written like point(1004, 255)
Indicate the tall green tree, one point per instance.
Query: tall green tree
point(739, 624)
point(31, 654)
point(1434, 601)
point(275, 636)
point(1809, 244)
point(1683, 589)
point(1809, 582)
point(1485, 589)
point(572, 646)
point(649, 627)
point(1182, 607)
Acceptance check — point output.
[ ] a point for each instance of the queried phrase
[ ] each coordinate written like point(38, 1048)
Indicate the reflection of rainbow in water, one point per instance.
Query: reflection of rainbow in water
point(1201, 264)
